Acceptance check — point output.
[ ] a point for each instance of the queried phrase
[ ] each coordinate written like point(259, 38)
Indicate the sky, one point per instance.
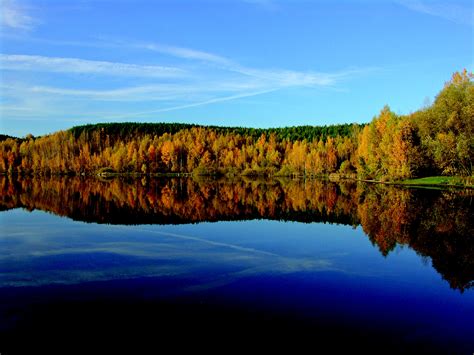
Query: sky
point(255, 63)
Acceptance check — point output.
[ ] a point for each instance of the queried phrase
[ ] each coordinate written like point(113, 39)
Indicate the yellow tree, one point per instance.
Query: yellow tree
point(166, 154)
point(331, 155)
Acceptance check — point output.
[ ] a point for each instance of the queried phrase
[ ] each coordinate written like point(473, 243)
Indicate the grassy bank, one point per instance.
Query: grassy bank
point(443, 181)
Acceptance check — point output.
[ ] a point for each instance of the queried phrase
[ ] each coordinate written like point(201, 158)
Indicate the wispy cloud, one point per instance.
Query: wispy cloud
point(185, 53)
point(15, 16)
point(287, 78)
point(275, 76)
point(45, 105)
point(265, 4)
point(208, 79)
point(136, 93)
point(76, 65)
point(452, 11)
point(194, 104)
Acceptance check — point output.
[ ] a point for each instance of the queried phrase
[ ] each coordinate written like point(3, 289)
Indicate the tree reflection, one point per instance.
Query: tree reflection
point(436, 224)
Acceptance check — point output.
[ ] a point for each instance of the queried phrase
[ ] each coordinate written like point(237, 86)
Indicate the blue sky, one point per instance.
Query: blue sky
point(258, 63)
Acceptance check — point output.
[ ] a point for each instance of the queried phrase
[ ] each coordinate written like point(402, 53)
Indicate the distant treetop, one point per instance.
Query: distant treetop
point(293, 133)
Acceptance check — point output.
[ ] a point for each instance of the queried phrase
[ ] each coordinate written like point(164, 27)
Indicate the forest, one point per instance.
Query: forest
point(435, 140)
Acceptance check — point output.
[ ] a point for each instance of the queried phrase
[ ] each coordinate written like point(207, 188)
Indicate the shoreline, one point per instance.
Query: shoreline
point(445, 182)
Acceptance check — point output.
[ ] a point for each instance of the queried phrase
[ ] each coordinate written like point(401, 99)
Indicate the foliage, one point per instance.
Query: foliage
point(446, 129)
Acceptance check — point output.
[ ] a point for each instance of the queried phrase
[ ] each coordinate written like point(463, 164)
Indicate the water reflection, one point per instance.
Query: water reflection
point(438, 225)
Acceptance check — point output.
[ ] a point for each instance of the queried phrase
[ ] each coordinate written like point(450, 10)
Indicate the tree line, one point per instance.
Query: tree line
point(435, 140)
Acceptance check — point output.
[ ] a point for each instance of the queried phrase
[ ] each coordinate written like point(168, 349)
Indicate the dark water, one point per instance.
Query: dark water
point(281, 264)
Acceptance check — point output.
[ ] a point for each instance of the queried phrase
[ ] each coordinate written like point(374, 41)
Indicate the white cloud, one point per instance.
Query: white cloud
point(15, 16)
point(452, 11)
point(269, 77)
point(278, 77)
point(275, 76)
point(185, 53)
point(114, 94)
point(265, 4)
point(287, 78)
point(76, 65)
point(153, 92)
point(195, 104)
point(210, 79)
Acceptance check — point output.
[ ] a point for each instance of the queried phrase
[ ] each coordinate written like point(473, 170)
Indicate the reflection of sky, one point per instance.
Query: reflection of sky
point(332, 266)
point(39, 248)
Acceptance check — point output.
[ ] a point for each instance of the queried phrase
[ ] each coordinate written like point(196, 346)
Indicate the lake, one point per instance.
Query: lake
point(148, 263)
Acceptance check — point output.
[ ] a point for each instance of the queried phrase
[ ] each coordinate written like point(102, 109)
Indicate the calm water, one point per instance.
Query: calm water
point(339, 267)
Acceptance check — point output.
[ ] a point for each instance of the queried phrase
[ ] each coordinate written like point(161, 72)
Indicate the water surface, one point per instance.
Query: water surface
point(281, 262)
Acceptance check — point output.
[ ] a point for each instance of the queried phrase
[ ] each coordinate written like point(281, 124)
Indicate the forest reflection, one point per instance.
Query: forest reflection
point(437, 224)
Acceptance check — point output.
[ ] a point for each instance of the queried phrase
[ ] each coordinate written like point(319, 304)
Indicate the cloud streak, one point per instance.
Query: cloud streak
point(275, 77)
point(15, 16)
point(194, 104)
point(210, 79)
point(453, 12)
point(154, 92)
point(185, 53)
point(82, 66)
point(268, 5)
